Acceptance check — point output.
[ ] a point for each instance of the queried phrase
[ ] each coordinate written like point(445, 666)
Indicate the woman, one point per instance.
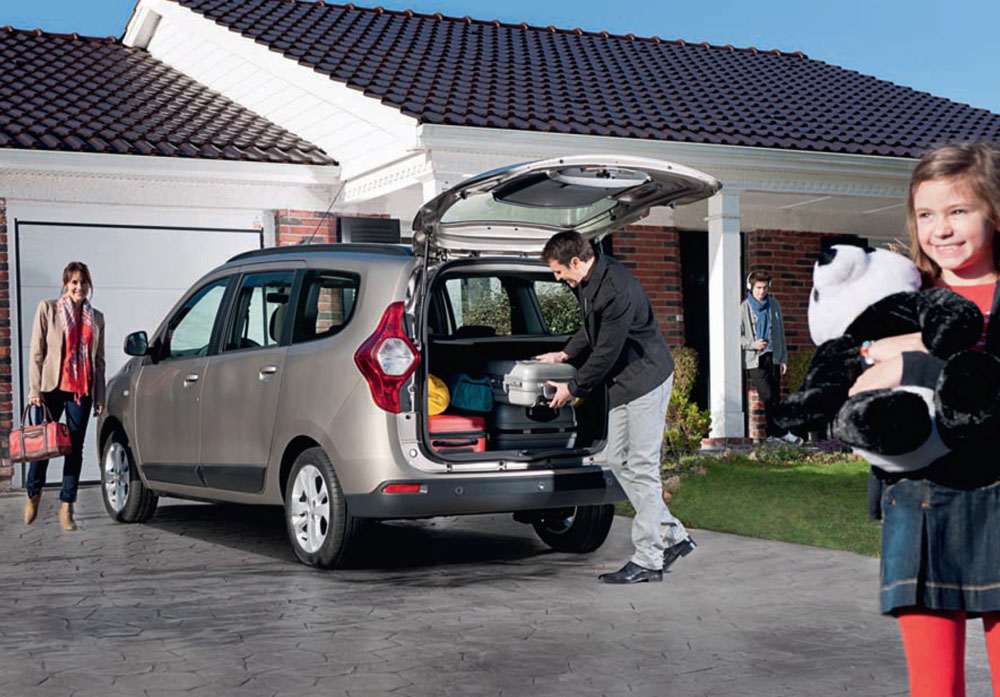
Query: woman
point(941, 524)
point(66, 370)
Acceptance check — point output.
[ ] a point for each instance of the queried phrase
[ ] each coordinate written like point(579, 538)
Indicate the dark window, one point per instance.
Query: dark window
point(189, 331)
point(326, 303)
point(259, 311)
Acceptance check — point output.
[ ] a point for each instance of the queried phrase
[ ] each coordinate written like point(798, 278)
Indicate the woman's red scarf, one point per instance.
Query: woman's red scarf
point(77, 339)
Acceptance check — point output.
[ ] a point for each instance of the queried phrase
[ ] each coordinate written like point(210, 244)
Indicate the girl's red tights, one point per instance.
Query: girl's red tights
point(934, 642)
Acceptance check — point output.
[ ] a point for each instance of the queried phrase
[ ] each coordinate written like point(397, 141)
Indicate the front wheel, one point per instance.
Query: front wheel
point(578, 530)
point(319, 525)
point(126, 498)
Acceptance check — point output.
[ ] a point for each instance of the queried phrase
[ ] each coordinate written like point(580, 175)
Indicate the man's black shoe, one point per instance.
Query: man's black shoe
point(675, 552)
point(632, 573)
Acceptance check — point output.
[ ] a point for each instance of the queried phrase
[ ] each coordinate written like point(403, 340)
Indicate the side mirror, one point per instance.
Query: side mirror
point(136, 344)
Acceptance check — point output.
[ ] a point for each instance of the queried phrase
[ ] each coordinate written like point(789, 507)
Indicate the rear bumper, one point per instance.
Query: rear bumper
point(461, 494)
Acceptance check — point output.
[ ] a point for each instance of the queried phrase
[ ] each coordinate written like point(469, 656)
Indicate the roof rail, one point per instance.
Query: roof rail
point(344, 247)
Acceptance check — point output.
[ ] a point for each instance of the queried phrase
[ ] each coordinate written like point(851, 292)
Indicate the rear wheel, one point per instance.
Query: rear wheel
point(581, 529)
point(126, 498)
point(319, 525)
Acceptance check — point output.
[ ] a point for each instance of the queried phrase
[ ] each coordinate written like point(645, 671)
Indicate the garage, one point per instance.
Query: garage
point(139, 272)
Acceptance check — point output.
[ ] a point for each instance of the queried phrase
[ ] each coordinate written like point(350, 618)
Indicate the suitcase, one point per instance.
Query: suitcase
point(515, 427)
point(523, 382)
point(451, 433)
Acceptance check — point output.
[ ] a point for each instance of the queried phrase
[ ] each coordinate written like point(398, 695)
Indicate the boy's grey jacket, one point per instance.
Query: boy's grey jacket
point(751, 356)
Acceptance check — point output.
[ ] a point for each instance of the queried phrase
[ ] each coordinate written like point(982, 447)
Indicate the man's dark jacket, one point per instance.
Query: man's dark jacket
point(620, 341)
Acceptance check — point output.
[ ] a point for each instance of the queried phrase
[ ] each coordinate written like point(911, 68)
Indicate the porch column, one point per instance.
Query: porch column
point(724, 291)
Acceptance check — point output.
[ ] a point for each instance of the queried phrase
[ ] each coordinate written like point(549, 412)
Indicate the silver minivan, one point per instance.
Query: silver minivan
point(298, 376)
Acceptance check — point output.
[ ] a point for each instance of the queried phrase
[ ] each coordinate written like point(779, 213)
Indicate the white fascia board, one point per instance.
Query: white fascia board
point(738, 167)
point(146, 180)
point(271, 72)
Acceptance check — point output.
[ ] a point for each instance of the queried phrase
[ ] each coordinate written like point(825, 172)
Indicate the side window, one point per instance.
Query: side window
point(326, 303)
point(560, 308)
point(189, 332)
point(259, 311)
point(479, 305)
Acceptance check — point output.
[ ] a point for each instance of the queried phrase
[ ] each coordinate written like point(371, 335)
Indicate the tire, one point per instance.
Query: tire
point(319, 526)
point(126, 498)
point(578, 530)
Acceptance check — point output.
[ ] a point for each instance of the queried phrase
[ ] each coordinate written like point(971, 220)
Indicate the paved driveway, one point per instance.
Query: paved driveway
point(207, 600)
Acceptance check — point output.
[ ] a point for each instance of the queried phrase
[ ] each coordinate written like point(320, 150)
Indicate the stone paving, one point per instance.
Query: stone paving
point(208, 600)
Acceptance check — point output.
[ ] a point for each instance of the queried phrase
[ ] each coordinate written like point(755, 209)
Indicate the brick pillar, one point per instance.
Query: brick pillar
point(298, 227)
point(653, 254)
point(6, 378)
point(757, 426)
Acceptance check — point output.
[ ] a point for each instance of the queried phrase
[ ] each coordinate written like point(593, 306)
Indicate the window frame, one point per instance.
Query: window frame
point(233, 308)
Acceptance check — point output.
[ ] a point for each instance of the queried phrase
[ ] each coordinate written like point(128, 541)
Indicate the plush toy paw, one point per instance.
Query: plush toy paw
point(967, 398)
point(888, 422)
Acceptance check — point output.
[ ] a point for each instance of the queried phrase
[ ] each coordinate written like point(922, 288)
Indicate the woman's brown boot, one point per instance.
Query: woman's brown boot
point(31, 508)
point(66, 517)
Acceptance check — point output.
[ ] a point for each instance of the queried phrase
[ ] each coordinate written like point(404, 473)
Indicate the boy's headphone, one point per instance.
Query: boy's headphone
point(750, 285)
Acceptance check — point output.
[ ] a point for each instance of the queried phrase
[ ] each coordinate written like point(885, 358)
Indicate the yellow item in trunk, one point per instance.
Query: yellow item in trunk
point(437, 395)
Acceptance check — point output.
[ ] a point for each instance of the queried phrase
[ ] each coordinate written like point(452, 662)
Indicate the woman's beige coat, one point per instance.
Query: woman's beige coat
point(47, 343)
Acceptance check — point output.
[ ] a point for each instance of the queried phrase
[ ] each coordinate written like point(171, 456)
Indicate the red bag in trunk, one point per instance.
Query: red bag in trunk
point(46, 440)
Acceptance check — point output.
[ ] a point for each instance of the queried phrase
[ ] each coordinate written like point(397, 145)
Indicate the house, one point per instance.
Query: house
point(410, 104)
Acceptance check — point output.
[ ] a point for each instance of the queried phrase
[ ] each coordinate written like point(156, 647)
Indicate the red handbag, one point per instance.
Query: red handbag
point(40, 442)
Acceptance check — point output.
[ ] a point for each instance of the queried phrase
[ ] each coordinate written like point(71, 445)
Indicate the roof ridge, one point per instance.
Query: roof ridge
point(74, 35)
point(378, 9)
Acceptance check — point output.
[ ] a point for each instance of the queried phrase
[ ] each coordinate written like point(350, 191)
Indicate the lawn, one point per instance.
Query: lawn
point(822, 503)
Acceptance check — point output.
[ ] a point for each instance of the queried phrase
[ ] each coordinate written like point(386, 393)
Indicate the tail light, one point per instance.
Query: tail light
point(387, 358)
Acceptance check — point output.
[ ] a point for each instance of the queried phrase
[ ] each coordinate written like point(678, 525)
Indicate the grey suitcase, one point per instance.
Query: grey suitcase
point(514, 427)
point(523, 382)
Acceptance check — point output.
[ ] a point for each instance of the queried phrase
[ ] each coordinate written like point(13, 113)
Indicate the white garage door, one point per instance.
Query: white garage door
point(139, 273)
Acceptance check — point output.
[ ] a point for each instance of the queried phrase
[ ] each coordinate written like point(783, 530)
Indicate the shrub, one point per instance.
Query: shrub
point(798, 365)
point(560, 308)
point(686, 424)
point(491, 310)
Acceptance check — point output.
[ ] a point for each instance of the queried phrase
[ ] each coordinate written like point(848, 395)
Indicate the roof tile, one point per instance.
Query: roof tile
point(65, 92)
point(462, 71)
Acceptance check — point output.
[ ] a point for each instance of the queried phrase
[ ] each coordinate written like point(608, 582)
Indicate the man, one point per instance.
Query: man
point(762, 335)
point(620, 345)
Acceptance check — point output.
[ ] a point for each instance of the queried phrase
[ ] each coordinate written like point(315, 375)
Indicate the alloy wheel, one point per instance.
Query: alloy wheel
point(310, 509)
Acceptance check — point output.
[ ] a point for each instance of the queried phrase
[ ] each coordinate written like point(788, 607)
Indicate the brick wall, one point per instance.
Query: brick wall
point(6, 385)
point(653, 254)
point(297, 227)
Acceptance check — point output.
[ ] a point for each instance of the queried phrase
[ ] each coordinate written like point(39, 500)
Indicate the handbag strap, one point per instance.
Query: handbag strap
point(46, 414)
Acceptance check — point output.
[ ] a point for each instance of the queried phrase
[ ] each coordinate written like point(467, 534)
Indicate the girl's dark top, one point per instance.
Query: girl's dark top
point(968, 467)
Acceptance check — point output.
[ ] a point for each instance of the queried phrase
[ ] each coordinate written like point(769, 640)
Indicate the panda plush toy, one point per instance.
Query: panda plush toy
point(947, 397)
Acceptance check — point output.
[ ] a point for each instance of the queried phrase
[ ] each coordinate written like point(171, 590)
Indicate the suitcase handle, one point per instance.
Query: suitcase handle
point(453, 443)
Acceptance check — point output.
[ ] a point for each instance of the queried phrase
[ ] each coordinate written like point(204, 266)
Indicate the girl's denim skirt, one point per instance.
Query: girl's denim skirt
point(940, 547)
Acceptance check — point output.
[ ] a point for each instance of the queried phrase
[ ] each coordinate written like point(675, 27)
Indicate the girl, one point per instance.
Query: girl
point(66, 370)
point(941, 525)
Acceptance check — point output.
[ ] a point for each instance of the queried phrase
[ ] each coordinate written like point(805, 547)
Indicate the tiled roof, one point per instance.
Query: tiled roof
point(466, 72)
point(66, 92)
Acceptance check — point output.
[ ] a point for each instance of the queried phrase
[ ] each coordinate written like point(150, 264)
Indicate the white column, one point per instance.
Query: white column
point(724, 292)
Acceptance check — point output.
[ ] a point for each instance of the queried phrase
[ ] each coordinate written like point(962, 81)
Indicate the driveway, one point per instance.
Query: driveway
point(208, 600)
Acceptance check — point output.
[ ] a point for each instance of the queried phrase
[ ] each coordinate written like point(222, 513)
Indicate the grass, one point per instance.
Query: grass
point(811, 500)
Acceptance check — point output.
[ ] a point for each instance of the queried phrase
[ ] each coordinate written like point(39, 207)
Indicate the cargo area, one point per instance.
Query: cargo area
point(485, 323)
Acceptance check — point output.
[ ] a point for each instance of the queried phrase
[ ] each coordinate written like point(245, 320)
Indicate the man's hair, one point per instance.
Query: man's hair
point(759, 277)
point(975, 164)
point(563, 246)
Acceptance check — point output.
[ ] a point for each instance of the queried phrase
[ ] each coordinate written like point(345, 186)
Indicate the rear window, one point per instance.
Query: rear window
point(479, 304)
point(326, 304)
point(559, 306)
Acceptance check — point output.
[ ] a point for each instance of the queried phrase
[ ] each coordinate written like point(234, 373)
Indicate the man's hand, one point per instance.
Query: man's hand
point(553, 357)
point(784, 368)
point(562, 396)
point(760, 344)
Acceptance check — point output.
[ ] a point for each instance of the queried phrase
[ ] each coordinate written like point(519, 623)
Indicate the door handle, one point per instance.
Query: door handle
point(188, 379)
point(268, 370)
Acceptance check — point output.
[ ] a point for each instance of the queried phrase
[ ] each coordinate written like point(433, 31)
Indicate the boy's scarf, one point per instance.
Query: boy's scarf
point(77, 341)
point(762, 325)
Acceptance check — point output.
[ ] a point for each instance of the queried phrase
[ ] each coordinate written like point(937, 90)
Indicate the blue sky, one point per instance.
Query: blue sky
point(949, 48)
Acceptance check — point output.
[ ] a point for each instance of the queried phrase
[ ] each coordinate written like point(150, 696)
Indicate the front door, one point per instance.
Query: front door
point(243, 382)
point(168, 391)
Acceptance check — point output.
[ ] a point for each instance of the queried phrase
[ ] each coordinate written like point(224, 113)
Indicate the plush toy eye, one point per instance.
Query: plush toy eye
point(815, 295)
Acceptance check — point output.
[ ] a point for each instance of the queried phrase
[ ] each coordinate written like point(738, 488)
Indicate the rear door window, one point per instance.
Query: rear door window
point(479, 306)
point(559, 306)
point(326, 304)
point(259, 310)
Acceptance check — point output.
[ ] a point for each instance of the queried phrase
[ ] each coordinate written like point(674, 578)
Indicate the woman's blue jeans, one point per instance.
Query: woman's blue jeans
point(77, 416)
